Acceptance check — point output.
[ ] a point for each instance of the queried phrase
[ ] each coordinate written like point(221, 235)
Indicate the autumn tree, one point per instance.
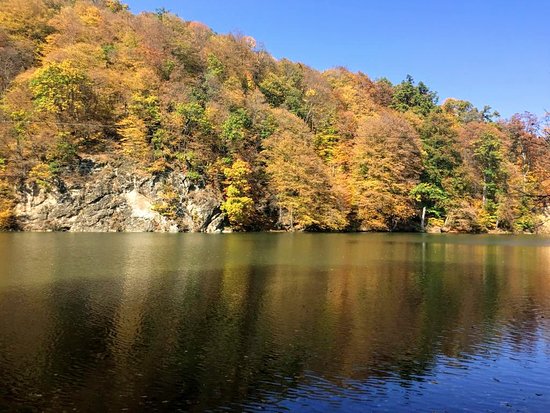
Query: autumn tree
point(386, 166)
point(529, 174)
point(238, 203)
point(7, 201)
point(17, 55)
point(279, 143)
point(299, 181)
point(61, 89)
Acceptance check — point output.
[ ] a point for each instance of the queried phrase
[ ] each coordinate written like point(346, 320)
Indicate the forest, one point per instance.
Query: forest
point(283, 145)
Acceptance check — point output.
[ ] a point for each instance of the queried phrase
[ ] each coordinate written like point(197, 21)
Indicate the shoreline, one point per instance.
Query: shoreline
point(276, 232)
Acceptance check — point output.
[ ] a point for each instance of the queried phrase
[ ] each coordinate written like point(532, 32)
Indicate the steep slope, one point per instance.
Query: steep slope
point(115, 121)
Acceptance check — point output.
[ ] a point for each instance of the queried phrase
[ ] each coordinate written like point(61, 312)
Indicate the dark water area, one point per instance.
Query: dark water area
point(274, 322)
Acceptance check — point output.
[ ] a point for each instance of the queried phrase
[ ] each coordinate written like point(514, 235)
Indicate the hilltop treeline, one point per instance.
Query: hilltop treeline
point(284, 145)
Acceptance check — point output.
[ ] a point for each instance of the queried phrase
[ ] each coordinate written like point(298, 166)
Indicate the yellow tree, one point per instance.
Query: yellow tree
point(238, 204)
point(385, 167)
point(7, 218)
point(133, 132)
point(61, 89)
point(299, 180)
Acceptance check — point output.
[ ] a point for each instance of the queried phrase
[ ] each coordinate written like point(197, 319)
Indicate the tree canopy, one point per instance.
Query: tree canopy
point(284, 145)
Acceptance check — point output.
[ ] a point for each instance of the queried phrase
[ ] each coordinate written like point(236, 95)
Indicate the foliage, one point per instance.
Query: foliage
point(430, 195)
point(61, 88)
point(385, 168)
point(234, 128)
point(42, 175)
point(7, 217)
point(488, 154)
point(282, 144)
point(441, 159)
point(238, 204)
point(168, 203)
point(466, 112)
point(299, 182)
point(417, 98)
point(326, 142)
point(133, 132)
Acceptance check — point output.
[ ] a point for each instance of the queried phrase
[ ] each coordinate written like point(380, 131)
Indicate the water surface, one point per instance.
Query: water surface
point(299, 322)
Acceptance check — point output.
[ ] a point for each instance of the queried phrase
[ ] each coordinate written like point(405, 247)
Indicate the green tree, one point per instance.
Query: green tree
point(417, 98)
point(286, 89)
point(442, 183)
point(489, 157)
point(236, 125)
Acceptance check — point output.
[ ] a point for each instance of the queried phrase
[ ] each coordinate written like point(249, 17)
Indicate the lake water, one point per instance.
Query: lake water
point(274, 322)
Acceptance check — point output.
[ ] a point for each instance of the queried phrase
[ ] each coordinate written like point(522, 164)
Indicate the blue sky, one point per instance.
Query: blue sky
point(486, 51)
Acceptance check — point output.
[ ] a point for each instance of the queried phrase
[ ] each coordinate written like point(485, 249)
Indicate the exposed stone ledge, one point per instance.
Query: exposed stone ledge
point(107, 198)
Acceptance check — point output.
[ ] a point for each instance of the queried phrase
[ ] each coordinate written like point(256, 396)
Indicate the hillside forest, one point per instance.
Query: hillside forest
point(282, 145)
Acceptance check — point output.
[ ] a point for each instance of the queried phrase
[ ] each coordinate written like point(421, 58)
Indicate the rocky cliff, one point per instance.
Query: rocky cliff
point(113, 197)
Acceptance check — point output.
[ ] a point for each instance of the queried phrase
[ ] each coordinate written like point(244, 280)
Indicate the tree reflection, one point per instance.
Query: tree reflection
point(196, 322)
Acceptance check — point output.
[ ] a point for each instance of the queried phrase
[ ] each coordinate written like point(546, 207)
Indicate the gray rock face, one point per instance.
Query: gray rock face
point(106, 198)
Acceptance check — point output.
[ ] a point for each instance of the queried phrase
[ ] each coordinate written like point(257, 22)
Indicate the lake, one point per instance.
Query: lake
point(274, 322)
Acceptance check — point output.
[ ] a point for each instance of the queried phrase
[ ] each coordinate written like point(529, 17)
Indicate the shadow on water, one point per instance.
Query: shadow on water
point(145, 322)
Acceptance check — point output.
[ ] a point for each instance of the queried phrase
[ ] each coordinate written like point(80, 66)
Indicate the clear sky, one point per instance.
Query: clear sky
point(494, 52)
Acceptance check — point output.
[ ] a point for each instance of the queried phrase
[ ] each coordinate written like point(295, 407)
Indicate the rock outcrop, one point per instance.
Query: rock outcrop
point(106, 197)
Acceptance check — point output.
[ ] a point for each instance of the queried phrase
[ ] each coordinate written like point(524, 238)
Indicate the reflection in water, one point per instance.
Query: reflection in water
point(106, 322)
